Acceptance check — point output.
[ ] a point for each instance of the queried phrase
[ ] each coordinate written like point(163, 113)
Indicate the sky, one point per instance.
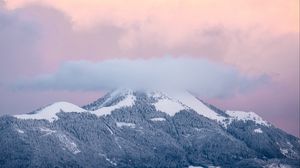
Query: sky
point(237, 55)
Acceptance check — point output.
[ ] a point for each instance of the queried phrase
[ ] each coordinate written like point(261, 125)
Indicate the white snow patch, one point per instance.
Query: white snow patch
point(107, 159)
point(277, 165)
point(285, 152)
point(200, 129)
point(20, 131)
point(111, 132)
point(289, 144)
point(247, 116)
point(180, 101)
point(185, 100)
point(124, 124)
point(49, 112)
point(111, 162)
point(168, 106)
point(258, 130)
point(290, 153)
point(195, 104)
point(68, 143)
point(158, 119)
point(195, 167)
point(117, 93)
point(117, 139)
point(128, 101)
point(47, 131)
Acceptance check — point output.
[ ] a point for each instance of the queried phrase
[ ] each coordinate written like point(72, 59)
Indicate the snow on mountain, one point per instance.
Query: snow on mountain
point(170, 103)
point(246, 116)
point(173, 102)
point(195, 104)
point(132, 131)
point(195, 167)
point(121, 92)
point(125, 124)
point(128, 101)
point(277, 165)
point(258, 130)
point(183, 100)
point(68, 143)
point(20, 131)
point(167, 104)
point(109, 99)
point(158, 119)
point(49, 112)
point(47, 131)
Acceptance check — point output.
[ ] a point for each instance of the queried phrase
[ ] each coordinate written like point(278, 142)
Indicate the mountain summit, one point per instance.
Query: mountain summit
point(128, 128)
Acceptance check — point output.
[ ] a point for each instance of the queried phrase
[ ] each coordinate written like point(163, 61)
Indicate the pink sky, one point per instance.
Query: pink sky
point(257, 37)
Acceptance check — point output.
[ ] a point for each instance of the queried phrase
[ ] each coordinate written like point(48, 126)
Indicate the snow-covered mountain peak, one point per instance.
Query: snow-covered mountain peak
point(165, 103)
point(109, 99)
point(113, 100)
point(173, 102)
point(61, 106)
point(119, 93)
point(194, 103)
point(49, 112)
point(127, 101)
point(169, 102)
point(246, 116)
point(145, 128)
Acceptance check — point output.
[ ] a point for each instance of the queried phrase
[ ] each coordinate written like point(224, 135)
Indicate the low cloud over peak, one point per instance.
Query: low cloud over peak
point(206, 78)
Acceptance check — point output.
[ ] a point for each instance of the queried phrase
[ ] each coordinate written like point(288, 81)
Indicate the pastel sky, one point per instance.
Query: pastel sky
point(256, 42)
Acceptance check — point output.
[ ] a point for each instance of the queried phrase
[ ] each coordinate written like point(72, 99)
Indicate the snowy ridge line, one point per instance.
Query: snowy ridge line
point(49, 112)
point(113, 94)
point(246, 116)
point(128, 101)
point(183, 101)
point(169, 103)
point(169, 106)
point(186, 101)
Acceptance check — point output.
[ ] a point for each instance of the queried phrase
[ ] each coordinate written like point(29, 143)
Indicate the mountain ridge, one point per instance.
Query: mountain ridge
point(104, 109)
point(127, 128)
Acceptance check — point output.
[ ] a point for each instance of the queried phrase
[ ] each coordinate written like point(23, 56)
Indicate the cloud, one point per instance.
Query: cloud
point(204, 77)
point(31, 43)
point(36, 37)
point(18, 40)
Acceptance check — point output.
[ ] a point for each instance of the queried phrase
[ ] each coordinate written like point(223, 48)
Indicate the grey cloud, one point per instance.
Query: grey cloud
point(47, 38)
point(206, 78)
point(18, 40)
point(59, 39)
point(37, 38)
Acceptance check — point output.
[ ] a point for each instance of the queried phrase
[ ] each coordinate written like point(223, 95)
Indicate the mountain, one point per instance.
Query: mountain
point(128, 128)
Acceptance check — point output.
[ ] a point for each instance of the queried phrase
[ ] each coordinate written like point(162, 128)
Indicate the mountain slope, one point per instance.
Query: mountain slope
point(49, 112)
point(127, 128)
